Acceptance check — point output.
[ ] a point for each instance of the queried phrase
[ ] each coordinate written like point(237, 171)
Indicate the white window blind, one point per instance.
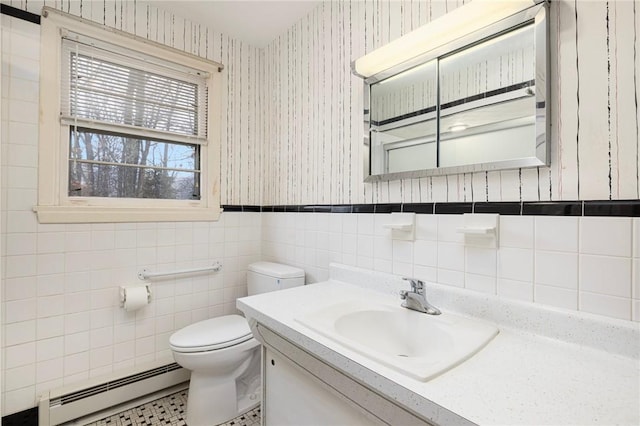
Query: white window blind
point(129, 128)
point(107, 90)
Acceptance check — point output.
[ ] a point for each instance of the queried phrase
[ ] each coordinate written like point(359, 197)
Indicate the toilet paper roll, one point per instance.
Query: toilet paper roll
point(135, 297)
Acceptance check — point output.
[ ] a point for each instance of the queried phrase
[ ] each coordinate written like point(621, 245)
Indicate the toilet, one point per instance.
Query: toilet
point(223, 356)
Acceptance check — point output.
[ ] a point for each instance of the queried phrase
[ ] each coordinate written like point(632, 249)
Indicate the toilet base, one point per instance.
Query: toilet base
point(210, 402)
point(246, 404)
point(213, 401)
point(250, 400)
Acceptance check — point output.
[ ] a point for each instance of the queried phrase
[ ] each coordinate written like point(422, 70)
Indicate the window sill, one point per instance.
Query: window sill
point(95, 214)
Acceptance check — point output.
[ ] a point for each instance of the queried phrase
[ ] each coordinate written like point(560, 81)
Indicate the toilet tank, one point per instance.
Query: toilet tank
point(263, 277)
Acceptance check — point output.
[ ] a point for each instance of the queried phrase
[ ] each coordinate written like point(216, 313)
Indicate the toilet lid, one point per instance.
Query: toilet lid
point(211, 334)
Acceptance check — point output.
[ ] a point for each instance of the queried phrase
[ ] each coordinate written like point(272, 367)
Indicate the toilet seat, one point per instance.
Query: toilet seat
point(212, 334)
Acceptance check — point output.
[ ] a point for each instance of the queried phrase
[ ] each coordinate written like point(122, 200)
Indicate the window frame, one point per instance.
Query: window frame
point(54, 203)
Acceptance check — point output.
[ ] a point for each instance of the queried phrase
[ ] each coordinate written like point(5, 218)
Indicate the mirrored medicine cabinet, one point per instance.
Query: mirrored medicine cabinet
point(476, 103)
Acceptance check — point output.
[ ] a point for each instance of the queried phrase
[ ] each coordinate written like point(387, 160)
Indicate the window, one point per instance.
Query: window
point(128, 128)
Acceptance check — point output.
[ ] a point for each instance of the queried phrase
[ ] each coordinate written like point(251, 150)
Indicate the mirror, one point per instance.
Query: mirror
point(404, 120)
point(477, 103)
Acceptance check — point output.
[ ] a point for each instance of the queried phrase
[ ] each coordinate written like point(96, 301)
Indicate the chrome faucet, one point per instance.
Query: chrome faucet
point(415, 299)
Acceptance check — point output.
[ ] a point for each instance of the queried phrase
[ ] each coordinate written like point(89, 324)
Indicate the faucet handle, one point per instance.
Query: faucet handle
point(417, 286)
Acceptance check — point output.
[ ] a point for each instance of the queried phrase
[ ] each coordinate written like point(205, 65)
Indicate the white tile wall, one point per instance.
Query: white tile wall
point(606, 236)
point(513, 289)
point(61, 320)
point(619, 307)
point(556, 269)
point(635, 291)
point(450, 256)
point(606, 275)
point(556, 233)
point(515, 264)
point(569, 262)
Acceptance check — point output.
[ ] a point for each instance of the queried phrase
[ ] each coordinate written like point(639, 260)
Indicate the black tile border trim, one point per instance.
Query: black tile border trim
point(612, 208)
point(618, 208)
point(364, 208)
point(563, 208)
point(21, 418)
point(341, 208)
point(504, 208)
point(387, 208)
point(5, 9)
point(419, 208)
point(453, 208)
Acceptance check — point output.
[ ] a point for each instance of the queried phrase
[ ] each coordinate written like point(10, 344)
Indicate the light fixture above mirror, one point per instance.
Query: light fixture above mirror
point(466, 92)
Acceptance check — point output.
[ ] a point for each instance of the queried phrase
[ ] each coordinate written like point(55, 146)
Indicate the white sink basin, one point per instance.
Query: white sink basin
point(419, 345)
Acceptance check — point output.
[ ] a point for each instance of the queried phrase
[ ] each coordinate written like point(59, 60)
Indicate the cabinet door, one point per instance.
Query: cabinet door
point(294, 397)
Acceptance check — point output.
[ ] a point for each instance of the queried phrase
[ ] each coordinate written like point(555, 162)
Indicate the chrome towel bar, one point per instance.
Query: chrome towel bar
point(144, 274)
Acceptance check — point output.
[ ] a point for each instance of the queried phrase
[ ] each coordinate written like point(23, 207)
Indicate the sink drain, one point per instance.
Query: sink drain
point(403, 355)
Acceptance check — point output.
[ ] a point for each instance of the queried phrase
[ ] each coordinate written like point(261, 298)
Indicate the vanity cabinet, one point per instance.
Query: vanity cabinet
point(294, 397)
point(299, 389)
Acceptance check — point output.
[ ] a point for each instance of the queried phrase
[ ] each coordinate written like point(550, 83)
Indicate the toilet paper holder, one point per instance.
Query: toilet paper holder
point(123, 295)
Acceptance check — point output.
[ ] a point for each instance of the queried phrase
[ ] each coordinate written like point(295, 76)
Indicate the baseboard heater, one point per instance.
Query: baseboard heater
point(65, 404)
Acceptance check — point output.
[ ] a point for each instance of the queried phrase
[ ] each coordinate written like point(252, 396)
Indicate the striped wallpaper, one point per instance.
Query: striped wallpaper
point(241, 134)
point(292, 127)
point(313, 144)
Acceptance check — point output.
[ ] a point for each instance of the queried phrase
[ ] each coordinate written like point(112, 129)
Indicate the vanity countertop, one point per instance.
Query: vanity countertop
point(520, 377)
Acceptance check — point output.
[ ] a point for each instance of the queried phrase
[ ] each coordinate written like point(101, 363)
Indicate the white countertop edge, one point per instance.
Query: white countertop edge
point(518, 374)
point(614, 336)
point(359, 372)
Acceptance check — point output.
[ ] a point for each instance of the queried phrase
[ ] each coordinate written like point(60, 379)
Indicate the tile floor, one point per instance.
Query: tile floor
point(170, 410)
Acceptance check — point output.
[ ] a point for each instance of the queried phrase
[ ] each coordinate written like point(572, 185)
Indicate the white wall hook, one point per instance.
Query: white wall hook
point(406, 227)
point(480, 230)
point(476, 231)
point(402, 226)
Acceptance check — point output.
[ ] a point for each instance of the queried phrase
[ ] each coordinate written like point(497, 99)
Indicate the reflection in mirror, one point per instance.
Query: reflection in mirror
point(477, 102)
point(487, 101)
point(403, 121)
